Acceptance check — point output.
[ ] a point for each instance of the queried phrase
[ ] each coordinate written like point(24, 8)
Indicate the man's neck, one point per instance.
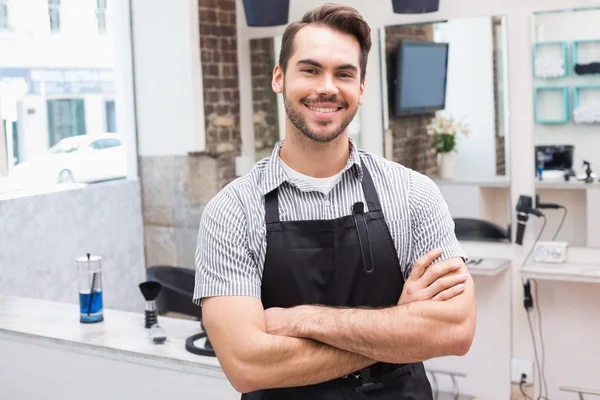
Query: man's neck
point(319, 160)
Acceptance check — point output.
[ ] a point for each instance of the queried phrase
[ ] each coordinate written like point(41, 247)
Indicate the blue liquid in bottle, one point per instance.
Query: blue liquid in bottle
point(90, 307)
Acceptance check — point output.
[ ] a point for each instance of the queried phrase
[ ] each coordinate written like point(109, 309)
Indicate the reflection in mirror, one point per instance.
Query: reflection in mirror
point(566, 95)
point(446, 106)
point(268, 107)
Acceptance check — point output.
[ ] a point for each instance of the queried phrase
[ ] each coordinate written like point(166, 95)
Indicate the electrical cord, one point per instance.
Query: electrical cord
point(539, 309)
point(562, 221)
point(537, 359)
point(523, 390)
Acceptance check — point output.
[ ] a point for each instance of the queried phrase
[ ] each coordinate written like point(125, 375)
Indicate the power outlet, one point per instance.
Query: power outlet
point(520, 367)
point(550, 252)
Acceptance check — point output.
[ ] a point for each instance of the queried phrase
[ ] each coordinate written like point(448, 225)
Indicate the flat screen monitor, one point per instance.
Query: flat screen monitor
point(420, 77)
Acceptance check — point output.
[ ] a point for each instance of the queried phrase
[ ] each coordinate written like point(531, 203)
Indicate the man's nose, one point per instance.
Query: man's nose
point(327, 86)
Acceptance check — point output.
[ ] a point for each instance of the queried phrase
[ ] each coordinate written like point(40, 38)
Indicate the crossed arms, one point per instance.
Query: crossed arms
point(260, 349)
point(304, 345)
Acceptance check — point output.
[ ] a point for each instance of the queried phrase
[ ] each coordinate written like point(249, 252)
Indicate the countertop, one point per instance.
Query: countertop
point(120, 336)
point(497, 181)
point(489, 266)
point(589, 273)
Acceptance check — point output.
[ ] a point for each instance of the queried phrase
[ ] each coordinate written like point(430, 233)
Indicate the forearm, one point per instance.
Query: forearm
point(280, 361)
point(402, 334)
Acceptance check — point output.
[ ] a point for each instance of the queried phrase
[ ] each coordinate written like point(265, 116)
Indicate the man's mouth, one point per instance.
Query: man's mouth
point(323, 109)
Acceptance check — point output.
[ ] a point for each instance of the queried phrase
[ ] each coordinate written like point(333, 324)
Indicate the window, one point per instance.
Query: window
point(4, 21)
point(66, 118)
point(54, 15)
point(111, 123)
point(101, 15)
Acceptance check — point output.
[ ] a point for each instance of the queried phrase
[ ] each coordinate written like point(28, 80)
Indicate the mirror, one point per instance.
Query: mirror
point(446, 107)
point(268, 107)
point(566, 95)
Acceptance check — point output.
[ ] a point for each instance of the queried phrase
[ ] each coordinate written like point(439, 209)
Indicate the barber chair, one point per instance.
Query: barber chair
point(177, 296)
point(480, 230)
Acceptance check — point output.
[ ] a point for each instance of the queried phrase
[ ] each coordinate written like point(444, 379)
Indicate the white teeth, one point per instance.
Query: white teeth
point(323, 110)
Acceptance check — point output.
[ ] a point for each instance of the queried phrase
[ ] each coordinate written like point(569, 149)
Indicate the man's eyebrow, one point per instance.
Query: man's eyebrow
point(318, 65)
point(310, 62)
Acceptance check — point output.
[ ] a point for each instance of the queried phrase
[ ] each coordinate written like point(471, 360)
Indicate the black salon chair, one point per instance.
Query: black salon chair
point(177, 296)
point(480, 230)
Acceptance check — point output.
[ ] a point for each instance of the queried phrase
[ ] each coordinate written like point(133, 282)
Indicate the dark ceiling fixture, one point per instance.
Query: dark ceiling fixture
point(266, 12)
point(415, 6)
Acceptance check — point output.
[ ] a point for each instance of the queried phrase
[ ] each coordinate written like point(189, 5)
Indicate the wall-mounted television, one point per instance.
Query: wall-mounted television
point(420, 77)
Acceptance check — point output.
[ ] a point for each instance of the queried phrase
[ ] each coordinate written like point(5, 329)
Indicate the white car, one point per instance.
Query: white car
point(83, 158)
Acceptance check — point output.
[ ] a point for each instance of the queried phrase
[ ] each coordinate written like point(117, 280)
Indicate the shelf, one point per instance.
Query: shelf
point(585, 52)
point(570, 185)
point(550, 60)
point(586, 104)
point(551, 105)
point(587, 273)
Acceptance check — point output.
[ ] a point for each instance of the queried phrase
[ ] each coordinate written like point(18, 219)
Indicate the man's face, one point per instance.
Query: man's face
point(321, 87)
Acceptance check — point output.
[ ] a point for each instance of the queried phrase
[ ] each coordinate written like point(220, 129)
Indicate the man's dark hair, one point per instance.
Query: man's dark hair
point(341, 18)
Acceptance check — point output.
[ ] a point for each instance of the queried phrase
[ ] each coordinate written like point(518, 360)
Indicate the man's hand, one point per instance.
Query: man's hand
point(277, 321)
point(427, 281)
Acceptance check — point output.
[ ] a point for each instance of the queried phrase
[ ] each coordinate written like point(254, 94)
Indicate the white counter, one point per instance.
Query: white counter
point(562, 272)
point(118, 347)
point(488, 266)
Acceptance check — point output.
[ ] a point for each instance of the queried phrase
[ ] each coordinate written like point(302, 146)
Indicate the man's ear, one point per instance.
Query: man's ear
point(361, 96)
point(277, 82)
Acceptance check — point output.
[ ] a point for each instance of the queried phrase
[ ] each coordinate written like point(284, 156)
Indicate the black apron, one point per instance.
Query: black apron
point(349, 261)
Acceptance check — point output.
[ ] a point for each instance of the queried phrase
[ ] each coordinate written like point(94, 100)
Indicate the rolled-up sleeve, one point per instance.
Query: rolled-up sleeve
point(431, 222)
point(224, 264)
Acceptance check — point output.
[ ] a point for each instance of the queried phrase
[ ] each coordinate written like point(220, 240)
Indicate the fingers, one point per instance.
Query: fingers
point(438, 270)
point(422, 263)
point(443, 284)
point(450, 293)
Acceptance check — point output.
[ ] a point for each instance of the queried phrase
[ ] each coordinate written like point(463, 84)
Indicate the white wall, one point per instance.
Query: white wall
point(518, 18)
point(569, 27)
point(470, 93)
point(42, 234)
point(166, 46)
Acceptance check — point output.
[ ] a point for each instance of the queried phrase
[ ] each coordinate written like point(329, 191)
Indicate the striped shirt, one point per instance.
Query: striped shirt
point(232, 242)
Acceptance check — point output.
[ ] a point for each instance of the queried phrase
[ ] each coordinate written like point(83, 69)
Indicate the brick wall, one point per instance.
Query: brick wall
point(264, 100)
point(500, 146)
point(411, 146)
point(218, 45)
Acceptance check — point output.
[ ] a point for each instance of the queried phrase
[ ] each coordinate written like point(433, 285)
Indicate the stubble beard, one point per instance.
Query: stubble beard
point(299, 121)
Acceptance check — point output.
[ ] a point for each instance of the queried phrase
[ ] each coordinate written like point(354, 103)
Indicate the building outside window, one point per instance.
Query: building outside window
point(54, 15)
point(4, 15)
point(101, 15)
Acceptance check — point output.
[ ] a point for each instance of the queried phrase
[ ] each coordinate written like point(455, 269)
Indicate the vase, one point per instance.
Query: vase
point(446, 165)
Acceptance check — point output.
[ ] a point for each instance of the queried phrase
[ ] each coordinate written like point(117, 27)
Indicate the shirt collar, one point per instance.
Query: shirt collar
point(275, 175)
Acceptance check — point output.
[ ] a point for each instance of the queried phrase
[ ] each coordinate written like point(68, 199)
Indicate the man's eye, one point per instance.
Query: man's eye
point(345, 75)
point(310, 71)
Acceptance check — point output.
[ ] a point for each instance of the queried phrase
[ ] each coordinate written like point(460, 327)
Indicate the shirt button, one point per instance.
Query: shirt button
point(327, 203)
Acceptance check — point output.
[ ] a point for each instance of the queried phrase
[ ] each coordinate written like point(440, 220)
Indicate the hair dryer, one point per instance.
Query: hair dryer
point(524, 208)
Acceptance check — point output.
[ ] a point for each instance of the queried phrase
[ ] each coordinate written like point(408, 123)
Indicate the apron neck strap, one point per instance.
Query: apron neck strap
point(373, 204)
point(369, 190)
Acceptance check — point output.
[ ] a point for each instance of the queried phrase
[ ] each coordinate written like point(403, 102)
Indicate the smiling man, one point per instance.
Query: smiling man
point(328, 272)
